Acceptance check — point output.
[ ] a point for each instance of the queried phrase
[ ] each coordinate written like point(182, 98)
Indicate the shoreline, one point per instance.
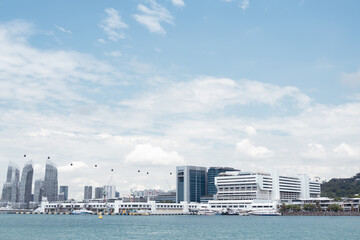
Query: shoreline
point(321, 214)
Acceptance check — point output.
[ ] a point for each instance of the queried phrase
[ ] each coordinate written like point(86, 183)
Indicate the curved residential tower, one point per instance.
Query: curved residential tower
point(26, 183)
point(10, 191)
point(51, 182)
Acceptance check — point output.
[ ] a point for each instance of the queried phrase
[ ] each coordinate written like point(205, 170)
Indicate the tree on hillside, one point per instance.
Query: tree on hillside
point(341, 187)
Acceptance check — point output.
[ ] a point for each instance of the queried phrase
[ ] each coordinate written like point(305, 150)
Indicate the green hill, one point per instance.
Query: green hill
point(341, 187)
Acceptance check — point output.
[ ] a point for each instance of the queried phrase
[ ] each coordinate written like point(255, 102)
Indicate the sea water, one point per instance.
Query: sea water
point(178, 227)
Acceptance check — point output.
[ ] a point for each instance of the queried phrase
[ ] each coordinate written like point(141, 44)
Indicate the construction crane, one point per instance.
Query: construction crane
point(132, 194)
point(168, 184)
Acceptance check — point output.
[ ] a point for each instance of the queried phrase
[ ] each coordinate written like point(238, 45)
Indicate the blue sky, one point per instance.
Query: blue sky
point(154, 84)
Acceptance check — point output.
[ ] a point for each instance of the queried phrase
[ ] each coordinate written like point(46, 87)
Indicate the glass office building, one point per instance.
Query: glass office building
point(212, 173)
point(191, 182)
point(64, 191)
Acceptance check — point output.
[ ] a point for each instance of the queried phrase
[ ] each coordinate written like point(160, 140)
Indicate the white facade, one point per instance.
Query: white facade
point(119, 207)
point(109, 191)
point(264, 186)
point(151, 207)
point(242, 205)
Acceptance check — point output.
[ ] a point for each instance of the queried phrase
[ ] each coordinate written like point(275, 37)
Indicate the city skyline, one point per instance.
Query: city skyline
point(153, 84)
point(193, 183)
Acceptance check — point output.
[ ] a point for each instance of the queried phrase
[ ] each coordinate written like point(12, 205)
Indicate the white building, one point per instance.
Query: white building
point(109, 191)
point(119, 207)
point(264, 186)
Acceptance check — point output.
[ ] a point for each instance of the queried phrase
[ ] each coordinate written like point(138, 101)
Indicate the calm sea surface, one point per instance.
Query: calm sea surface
point(178, 227)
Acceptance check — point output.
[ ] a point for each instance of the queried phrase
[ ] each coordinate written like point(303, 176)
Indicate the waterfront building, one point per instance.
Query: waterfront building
point(26, 184)
point(109, 191)
point(10, 191)
point(207, 198)
point(211, 174)
point(51, 182)
point(147, 193)
point(64, 191)
point(87, 192)
point(166, 197)
point(61, 197)
point(242, 205)
point(120, 206)
point(191, 183)
point(161, 208)
point(264, 186)
point(38, 190)
point(152, 207)
point(117, 194)
point(99, 192)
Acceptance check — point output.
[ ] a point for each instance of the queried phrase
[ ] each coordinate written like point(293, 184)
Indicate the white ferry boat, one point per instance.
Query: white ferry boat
point(265, 213)
point(244, 214)
point(206, 212)
point(81, 212)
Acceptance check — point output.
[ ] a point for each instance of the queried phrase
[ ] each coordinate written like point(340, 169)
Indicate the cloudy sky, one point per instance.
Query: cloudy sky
point(152, 84)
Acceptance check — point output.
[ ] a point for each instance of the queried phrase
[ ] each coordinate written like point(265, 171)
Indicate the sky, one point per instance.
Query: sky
point(153, 84)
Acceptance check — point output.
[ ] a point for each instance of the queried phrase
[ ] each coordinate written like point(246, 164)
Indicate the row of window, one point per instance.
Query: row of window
point(237, 194)
point(134, 206)
point(236, 185)
point(237, 198)
point(253, 188)
point(228, 206)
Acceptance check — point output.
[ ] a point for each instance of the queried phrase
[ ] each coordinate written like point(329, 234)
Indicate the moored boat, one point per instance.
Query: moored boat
point(81, 212)
point(265, 213)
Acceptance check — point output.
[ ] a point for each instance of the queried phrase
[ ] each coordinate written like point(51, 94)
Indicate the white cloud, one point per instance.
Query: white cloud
point(17, 31)
point(45, 74)
point(250, 130)
point(315, 150)
point(146, 154)
point(245, 147)
point(351, 79)
point(76, 165)
point(244, 4)
point(114, 54)
point(152, 16)
point(140, 67)
point(206, 94)
point(346, 150)
point(62, 29)
point(113, 25)
point(178, 3)
point(101, 40)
